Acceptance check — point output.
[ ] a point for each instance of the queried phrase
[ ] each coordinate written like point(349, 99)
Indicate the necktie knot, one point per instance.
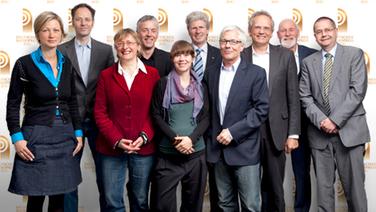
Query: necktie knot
point(328, 56)
point(198, 51)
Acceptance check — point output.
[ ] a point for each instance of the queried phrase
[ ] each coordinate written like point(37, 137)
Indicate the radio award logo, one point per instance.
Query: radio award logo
point(250, 12)
point(342, 20)
point(298, 18)
point(210, 16)
point(4, 63)
point(371, 79)
point(117, 20)
point(162, 20)
point(70, 21)
point(4, 148)
point(27, 20)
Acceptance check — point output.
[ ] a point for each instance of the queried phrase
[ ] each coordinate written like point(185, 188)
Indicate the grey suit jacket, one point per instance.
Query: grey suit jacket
point(284, 111)
point(347, 89)
point(246, 110)
point(101, 58)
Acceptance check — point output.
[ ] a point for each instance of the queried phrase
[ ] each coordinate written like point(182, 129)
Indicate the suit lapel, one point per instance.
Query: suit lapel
point(71, 50)
point(210, 60)
point(94, 54)
point(336, 65)
point(235, 85)
point(273, 66)
point(318, 69)
point(216, 73)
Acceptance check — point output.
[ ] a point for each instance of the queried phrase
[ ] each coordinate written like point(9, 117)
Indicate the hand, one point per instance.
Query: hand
point(78, 146)
point(137, 143)
point(185, 146)
point(291, 144)
point(224, 137)
point(23, 151)
point(328, 126)
point(126, 145)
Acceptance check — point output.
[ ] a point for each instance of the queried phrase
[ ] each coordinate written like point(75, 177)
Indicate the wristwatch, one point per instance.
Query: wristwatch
point(144, 137)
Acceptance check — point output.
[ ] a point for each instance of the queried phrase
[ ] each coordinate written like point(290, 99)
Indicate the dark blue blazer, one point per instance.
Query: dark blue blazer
point(246, 109)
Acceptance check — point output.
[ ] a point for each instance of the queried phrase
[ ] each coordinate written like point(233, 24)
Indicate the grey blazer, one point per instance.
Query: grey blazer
point(284, 105)
point(101, 57)
point(346, 93)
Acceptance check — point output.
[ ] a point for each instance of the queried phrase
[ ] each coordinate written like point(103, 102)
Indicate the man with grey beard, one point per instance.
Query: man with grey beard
point(288, 34)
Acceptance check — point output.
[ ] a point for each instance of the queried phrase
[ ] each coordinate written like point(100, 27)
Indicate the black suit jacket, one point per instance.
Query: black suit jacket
point(246, 110)
point(162, 62)
point(284, 111)
point(101, 58)
point(214, 58)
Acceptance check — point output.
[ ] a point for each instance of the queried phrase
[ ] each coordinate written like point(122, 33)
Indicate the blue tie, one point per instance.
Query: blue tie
point(198, 67)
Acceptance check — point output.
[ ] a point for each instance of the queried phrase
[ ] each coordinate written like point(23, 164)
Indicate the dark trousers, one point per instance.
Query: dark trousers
point(166, 177)
point(35, 203)
point(273, 173)
point(71, 199)
point(213, 192)
point(301, 161)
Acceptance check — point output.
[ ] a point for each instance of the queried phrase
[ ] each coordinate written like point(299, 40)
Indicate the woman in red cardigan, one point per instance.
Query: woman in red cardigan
point(122, 114)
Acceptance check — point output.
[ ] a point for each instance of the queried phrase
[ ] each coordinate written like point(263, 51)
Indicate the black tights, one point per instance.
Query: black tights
point(35, 203)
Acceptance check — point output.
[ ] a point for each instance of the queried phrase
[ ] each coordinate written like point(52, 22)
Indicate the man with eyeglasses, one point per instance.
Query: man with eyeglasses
point(288, 34)
point(239, 105)
point(89, 57)
point(280, 133)
point(148, 31)
point(333, 85)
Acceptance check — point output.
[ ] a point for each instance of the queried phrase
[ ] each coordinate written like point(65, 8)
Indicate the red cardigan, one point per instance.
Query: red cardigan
point(123, 113)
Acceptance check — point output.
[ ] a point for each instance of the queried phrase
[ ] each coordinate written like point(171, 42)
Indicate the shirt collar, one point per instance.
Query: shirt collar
point(234, 66)
point(78, 44)
point(140, 66)
point(332, 52)
point(39, 56)
point(256, 54)
point(204, 48)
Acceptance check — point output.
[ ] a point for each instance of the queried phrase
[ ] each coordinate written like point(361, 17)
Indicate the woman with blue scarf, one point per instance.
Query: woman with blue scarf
point(180, 110)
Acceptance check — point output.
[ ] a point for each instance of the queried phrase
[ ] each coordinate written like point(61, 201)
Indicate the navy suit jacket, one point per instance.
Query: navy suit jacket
point(214, 58)
point(246, 109)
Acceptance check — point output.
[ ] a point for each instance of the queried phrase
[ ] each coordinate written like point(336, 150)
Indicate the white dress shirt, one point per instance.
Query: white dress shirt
point(129, 78)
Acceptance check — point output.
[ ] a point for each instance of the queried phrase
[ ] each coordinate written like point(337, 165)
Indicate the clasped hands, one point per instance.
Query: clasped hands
point(328, 126)
point(129, 146)
point(183, 144)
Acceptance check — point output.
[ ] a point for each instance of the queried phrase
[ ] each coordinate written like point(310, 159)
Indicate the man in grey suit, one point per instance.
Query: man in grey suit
point(281, 130)
point(88, 57)
point(238, 97)
point(333, 85)
point(198, 29)
point(288, 34)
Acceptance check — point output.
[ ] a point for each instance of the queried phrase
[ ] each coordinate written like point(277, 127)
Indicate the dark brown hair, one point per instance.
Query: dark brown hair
point(181, 47)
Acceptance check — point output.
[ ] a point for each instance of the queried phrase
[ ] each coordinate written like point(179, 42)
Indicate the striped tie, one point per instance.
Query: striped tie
point(198, 67)
point(327, 75)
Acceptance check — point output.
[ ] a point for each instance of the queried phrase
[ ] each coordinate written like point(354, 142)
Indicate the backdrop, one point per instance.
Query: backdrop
point(17, 39)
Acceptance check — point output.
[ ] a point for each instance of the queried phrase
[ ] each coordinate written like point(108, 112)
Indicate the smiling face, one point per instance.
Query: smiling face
point(230, 46)
point(83, 22)
point(261, 30)
point(325, 34)
point(148, 34)
point(183, 62)
point(126, 48)
point(50, 34)
point(198, 32)
point(288, 34)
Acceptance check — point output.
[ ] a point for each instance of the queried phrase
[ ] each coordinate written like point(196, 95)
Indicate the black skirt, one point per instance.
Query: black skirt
point(54, 169)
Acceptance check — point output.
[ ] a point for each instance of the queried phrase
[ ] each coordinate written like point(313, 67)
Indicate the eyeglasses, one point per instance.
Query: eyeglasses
point(326, 30)
point(231, 42)
point(127, 43)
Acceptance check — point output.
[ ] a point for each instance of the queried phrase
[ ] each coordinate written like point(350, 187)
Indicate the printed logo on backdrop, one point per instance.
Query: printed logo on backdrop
point(70, 21)
point(164, 39)
point(117, 19)
point(210, 16)
point(367, 151)
point(5, 164)
point(250, 12)
point(298, 19)
point(4, 63)
point(342, 20)
point(27, 37)
point(371, 76)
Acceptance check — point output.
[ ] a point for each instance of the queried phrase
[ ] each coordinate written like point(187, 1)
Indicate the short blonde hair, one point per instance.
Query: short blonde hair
point(45, 17)
point(124, 33)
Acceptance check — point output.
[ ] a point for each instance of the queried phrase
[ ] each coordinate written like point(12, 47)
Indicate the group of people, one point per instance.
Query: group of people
point(167, 118)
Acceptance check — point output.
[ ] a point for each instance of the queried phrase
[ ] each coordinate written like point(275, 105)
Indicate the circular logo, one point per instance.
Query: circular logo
point(162, 17)
point(70, 17)
point(117, 16)
point(341, 17)
point(4, 144)
point(209, 14)
point(4, 59)
point(296, 16)
point(250, 12)
point(26, 17)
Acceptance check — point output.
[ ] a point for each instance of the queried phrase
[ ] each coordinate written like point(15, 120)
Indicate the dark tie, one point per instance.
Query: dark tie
point(327, 75)
point(198, 67)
